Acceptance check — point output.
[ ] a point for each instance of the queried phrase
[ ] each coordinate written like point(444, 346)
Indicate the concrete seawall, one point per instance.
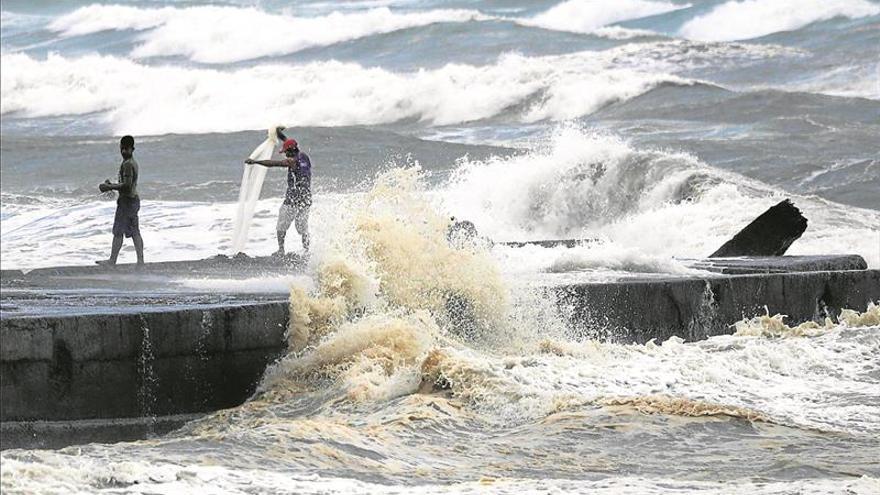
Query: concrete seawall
point(57, 371)
point(697, 308)
point(148, 364)
point(99, 377)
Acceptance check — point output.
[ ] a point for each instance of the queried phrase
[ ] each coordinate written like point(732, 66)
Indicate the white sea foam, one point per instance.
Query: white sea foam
point(610, 256)
point(585, 16)
point(746, 19)
point(216, 35)
point(362, 416)
point(53, 471)
point(143, 99)
point(785, 379)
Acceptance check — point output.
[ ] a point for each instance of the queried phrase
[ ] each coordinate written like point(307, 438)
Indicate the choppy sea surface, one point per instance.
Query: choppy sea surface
point(658, 127)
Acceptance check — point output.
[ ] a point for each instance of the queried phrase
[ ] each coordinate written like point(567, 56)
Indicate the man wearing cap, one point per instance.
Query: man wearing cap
point(127, 205)
point(298, 199)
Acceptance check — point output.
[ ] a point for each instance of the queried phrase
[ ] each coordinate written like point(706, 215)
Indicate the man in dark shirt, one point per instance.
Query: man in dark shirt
point(128, 204)
point(298, 199)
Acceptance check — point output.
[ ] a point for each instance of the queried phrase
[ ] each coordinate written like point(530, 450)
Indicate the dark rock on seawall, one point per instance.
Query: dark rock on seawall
point(770, 234)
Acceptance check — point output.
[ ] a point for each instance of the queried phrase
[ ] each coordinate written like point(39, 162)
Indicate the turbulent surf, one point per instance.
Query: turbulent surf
point(657, 131)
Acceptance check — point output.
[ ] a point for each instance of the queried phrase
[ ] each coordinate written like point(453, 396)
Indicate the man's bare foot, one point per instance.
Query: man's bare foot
point(106, 263)
point(278, 254)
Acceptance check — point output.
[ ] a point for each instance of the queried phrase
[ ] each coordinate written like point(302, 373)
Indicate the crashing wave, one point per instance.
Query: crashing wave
point(747, 19)
point(382, 303)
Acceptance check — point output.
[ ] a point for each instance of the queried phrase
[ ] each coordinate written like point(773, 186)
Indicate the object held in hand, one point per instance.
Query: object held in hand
point(103, 187)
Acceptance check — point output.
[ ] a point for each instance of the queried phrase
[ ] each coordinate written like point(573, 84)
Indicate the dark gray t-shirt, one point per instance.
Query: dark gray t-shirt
point(299, 181)
point(128, 176)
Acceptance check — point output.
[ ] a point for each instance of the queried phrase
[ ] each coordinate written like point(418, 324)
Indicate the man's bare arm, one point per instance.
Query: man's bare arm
point(125, 185)
point(127, 180)
point(272, 163)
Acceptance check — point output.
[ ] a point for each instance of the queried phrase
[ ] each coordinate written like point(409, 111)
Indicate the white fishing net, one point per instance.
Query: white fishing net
point(251, 185)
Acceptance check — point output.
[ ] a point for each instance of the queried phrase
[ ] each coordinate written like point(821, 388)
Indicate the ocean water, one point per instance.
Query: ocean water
point(659, 127)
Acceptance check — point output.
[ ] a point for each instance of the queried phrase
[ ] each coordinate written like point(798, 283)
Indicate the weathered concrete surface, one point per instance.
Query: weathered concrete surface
point(693, 309)
point(129, 365)
point(85, 300)
point(58, 434)
point(219, 264)
point(780, 264)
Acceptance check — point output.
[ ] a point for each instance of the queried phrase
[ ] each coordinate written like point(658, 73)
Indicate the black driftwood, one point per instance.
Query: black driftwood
point(770, 234)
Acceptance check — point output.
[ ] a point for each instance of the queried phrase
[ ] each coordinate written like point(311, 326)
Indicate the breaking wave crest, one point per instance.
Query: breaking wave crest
point(586, 16)
point(232, 34)
point(747, 19)
point(579, 180)
point(646, 205)
point(143, 99)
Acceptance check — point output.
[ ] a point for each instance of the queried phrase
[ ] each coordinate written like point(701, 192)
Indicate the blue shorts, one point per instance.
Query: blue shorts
point(126, 221)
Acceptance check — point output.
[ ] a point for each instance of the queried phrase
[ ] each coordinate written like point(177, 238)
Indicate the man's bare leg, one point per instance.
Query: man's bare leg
point(114, 251)
point(302, 226)
point(139, 248)
point(281, 235)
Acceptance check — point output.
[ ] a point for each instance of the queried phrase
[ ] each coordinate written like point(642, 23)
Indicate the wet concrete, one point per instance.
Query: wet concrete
point(240, 265)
